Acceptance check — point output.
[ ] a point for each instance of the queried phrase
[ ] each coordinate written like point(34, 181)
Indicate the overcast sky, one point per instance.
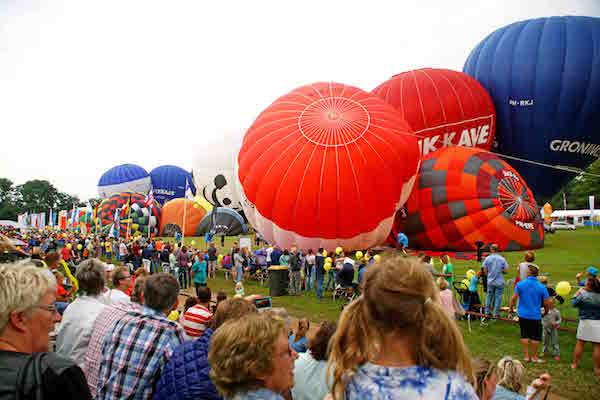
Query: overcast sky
point(86, 85)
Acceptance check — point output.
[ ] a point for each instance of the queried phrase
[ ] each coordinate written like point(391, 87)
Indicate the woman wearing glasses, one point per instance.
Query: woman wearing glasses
point(251, 358)
point(27, 316)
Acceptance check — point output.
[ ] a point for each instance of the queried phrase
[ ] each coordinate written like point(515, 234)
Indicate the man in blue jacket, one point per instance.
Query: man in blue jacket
point(320, 271)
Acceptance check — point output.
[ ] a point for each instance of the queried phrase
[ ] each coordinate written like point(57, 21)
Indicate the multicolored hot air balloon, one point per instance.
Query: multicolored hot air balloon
point(326, 165)
point(124, 178)
point(168, 182)
point(140, 219)
point(465, 195)
point(171, 220)
point(544, 78)
point(443, 107)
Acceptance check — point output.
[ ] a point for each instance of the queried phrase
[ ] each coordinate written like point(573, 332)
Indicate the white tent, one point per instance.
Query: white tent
point(579, 217)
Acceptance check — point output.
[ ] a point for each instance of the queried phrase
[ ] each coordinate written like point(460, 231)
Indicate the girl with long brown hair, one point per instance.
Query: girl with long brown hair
point(397, 341)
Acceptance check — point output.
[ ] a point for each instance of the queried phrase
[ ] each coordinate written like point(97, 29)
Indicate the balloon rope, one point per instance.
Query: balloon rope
point(541, 164)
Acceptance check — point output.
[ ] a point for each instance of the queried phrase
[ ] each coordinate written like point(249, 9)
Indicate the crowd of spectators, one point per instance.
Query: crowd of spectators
point(117, 338)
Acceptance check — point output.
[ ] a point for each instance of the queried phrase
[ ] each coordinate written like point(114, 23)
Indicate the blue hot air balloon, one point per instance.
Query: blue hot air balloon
point(544, 78)
point(124, 178)
point(168, 182)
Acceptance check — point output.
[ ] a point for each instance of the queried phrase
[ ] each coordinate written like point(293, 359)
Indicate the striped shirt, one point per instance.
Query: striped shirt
point(135, 350)
point(196, 320)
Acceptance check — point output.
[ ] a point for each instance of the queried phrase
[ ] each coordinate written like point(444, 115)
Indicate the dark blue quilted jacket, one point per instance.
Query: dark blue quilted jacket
point(186, 375)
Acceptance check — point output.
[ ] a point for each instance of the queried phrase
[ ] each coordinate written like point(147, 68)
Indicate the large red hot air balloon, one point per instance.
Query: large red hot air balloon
point(466, 195)
point(443, 107)
point(326, 165)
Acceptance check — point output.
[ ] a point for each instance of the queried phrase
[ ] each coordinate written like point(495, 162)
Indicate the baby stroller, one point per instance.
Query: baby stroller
point(345, 288)
point(166, 267)
point(261, 273)
point(469, 302)
point(464, 295)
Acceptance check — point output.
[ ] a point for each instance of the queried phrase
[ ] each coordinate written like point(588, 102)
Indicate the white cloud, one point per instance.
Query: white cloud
point(85, 85)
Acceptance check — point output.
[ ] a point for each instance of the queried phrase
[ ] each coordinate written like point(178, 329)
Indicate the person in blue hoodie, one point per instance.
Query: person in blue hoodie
point(275, 255)
point(187, 373)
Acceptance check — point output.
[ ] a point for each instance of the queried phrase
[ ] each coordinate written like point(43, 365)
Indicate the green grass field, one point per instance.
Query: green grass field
point(565, 254)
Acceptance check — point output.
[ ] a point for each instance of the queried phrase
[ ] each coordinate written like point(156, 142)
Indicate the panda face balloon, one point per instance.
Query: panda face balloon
point(213, 171)
point(220, 192)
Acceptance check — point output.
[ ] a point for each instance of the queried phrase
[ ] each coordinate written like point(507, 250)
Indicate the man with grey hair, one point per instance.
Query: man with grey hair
point(27, 315)
point(78, 319)
point(102, 325)
point(138, 345)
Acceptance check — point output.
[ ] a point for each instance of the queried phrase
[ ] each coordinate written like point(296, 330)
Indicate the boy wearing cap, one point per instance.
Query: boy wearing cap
point(590, 272)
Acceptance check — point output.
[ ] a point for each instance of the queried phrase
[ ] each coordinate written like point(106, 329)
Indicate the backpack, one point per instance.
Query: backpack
point(30, 376)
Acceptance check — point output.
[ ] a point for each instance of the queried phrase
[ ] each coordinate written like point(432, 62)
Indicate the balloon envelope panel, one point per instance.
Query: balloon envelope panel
point(213, 172)
point(443, 107)
point(544, 78)
point(467, 195)
point(326, 165)
point(124, 178)
point(168, 182)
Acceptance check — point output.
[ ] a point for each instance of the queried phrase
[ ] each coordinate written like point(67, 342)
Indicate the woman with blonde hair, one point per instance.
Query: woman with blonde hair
point(486, 378)
point(250, 358)
point(298, 339)
point(397, 340)
point(446, 296)
point(510, 379)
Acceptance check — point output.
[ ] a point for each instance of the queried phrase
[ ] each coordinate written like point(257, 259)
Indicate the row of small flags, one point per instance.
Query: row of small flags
point(59, 219)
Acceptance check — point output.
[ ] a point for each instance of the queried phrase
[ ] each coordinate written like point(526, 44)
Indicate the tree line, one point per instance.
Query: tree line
point(40, 195)
point(33, 197)
point(578, 190)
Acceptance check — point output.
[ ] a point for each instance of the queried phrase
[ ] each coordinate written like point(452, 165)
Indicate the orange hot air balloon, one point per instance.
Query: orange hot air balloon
point(171, 220)
point(326, 165)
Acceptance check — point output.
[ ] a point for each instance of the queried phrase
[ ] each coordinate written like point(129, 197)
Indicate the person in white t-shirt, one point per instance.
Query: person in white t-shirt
point(309, 265)
point(121, 280)
point(523, 268)
point(269, 250)
point(123, 250)
point(78, 319)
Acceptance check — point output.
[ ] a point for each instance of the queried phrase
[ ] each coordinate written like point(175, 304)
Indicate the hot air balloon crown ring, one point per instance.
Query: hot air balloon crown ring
point(334, 121)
